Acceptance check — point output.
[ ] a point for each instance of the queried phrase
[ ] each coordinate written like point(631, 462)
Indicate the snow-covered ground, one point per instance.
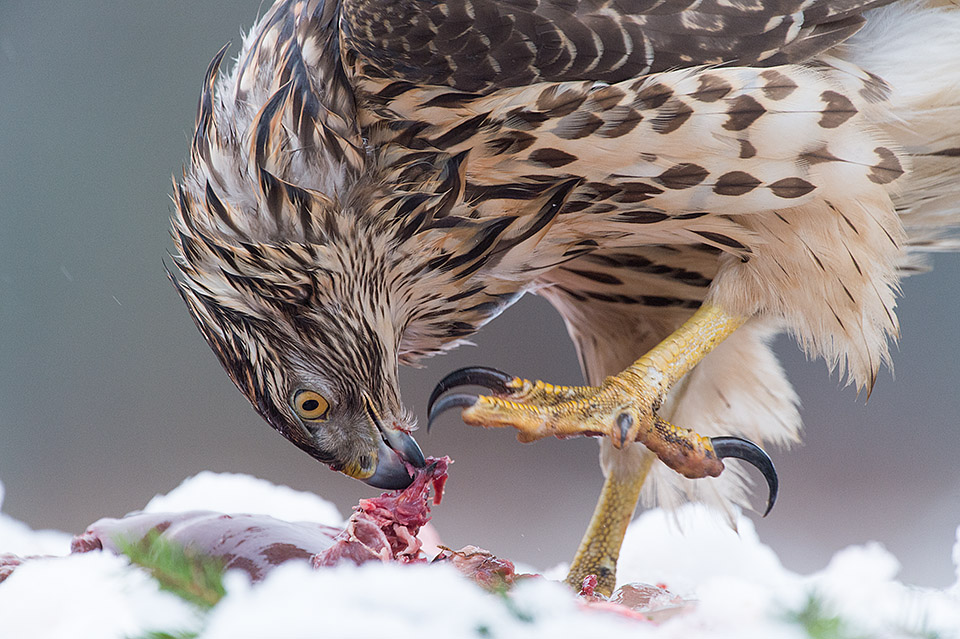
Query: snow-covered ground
point(736, 586)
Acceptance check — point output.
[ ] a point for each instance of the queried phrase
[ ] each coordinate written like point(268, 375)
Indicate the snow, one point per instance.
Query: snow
point(956, 563)
point(90, 595)
point(237, 493)
point(735, 584)
point(17, 538)
point(700, 546)
point(390, 600)
point(861, 580)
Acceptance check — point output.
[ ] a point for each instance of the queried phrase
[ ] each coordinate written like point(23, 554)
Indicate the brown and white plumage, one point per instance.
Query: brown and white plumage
point(376, 180)
point(479, 45)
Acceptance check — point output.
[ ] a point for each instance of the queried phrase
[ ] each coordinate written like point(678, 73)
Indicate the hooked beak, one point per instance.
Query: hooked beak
point(396, 452)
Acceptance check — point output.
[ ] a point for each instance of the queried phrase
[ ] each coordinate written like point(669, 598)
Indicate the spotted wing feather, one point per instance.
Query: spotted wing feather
point(476, 45)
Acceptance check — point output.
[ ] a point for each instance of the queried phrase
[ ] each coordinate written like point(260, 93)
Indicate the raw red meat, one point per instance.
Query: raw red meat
point(385, 528)
point(482, 566)
point(9, 563)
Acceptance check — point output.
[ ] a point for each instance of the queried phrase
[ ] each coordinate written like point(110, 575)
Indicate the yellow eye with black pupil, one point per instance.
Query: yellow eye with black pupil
point(310, 405)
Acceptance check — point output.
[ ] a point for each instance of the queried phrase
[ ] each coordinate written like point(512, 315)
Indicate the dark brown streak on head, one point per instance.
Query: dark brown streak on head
point(233, 337)
point(205, 126)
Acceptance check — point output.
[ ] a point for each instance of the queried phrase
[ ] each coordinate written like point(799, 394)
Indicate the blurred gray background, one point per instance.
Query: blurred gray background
point(108, 395)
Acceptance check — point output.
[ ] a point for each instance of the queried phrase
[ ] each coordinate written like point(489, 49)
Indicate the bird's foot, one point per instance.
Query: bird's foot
point(623, 408)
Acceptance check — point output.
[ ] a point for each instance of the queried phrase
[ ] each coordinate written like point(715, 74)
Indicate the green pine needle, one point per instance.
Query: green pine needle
point(192, 576)
point(818, 622)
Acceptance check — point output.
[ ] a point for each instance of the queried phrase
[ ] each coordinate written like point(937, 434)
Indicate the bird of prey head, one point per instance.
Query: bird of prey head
point(313, 267)
point(314, 353)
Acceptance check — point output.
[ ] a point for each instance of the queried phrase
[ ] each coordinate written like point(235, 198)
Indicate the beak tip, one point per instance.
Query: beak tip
point(397, 455)
point(413, 455)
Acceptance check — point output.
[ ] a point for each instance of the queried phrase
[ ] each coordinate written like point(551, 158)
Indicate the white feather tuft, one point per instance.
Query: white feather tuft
point(915, 48)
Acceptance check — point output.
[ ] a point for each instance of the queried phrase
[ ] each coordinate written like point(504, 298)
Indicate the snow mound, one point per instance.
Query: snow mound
point(238, 493)
point(860, 582)
point(90, 595)
point(742, 588)
point(400, 602)
point(17, 538)
point(695, 545)
point(734, 585)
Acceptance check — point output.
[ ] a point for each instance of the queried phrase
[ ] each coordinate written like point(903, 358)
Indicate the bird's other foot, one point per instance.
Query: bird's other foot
point(623, 408)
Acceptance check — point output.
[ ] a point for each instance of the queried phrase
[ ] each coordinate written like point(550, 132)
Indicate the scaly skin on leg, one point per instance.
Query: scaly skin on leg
point(600, 546)
point(624, 406)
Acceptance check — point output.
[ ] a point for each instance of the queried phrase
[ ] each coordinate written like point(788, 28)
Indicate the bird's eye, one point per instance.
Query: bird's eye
point(310, 405)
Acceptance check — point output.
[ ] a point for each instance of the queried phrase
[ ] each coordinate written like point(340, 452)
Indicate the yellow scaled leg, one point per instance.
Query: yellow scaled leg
point(624, 408)
point(600, 546)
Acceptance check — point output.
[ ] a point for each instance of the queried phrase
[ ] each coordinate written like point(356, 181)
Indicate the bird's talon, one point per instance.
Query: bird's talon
point(456, 400)
point(494, 380)
point(625, 423)
point(749, 452)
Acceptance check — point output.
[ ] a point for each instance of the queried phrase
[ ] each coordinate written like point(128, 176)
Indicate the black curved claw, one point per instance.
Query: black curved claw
point(470, 376)
point(457, 400)
point(752, 454)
